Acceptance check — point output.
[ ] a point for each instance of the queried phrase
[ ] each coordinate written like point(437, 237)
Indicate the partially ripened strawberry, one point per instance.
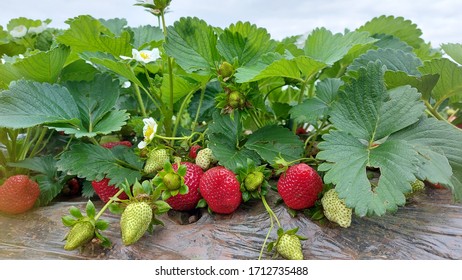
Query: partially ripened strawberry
point(299, 186)
point(156, 160)
point(193, 151)
point(111, 145)
point(106, 191)
point(135, 221)
point(18, 194)
point(221, 190)
point(186, 202)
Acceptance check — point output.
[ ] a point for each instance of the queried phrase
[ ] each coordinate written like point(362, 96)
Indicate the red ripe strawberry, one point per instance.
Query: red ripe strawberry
point(193, 151)
point(221, 190)
point(186, 202)
point(18, 194)
point(111, 145)
point(106, 191)
point(299, 186)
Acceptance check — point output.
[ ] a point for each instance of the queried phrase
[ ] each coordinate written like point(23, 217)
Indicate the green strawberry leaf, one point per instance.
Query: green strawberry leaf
point(118, 66)
point(192, 42)
point(398, 27)
point(454, 51)
point(394, 60)
point(145, 35)
point(271, 142)
point(244, 43)
point(94, 162)
point(50, 64)
point(28, 103)
point(225, 134)
point(435, 140)
point(365, 116)
point(88, 34)
point(449, 85)
point(317, 107)
point(367, 111)
point(329, 48)
point(115, 25)
point(181, 87)
point(83, 109)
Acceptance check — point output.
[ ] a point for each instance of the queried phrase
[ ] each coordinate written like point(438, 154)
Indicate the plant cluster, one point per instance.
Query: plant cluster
point(153, 118)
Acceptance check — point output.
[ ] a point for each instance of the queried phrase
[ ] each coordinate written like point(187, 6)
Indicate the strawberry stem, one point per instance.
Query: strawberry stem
point(272, 216)
point(111, 200)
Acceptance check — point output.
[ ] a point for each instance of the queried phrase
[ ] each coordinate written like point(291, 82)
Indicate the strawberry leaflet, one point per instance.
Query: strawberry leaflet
point(366, 115)
point(95, 163)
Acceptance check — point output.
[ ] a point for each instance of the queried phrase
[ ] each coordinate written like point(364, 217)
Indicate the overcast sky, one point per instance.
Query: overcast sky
point(440, 20)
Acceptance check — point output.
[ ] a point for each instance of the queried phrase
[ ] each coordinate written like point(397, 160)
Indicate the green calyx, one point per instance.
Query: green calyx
point(236, 100)
point(253, 180)
point(170, 182)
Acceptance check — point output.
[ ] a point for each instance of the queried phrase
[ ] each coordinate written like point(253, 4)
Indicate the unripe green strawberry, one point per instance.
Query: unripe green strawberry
point(416, 187)
point(226, 70)
point(236, 100)
point(204, 158)
point(253, 180)
point(335, 209)
point(290, 247)
point(172, 181)
point(156, 160)
point(135, 221)
point(80, 234)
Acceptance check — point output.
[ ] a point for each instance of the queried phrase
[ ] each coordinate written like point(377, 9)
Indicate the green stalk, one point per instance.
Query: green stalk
point(38, 143)
point(272, 215)
point(140, 101)
point(201, 99)
point(433, 111)
point(255, 119)
point(111, 200)
point(168, 117)
point(180, 112)
point(309, 80)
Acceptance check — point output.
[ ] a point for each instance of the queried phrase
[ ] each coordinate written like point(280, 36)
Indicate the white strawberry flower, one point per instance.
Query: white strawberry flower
point(149, 130)
point(38, 29)
point(19, 31)
point(143, 56)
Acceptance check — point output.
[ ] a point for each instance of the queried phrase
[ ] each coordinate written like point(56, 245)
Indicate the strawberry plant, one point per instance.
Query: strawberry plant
point(155, 115)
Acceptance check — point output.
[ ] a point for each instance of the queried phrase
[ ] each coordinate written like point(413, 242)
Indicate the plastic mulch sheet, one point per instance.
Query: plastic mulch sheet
point(429, 227)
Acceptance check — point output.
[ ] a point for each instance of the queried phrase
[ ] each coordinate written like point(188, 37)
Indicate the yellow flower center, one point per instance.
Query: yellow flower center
point(149, 132)
point(144, 55)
